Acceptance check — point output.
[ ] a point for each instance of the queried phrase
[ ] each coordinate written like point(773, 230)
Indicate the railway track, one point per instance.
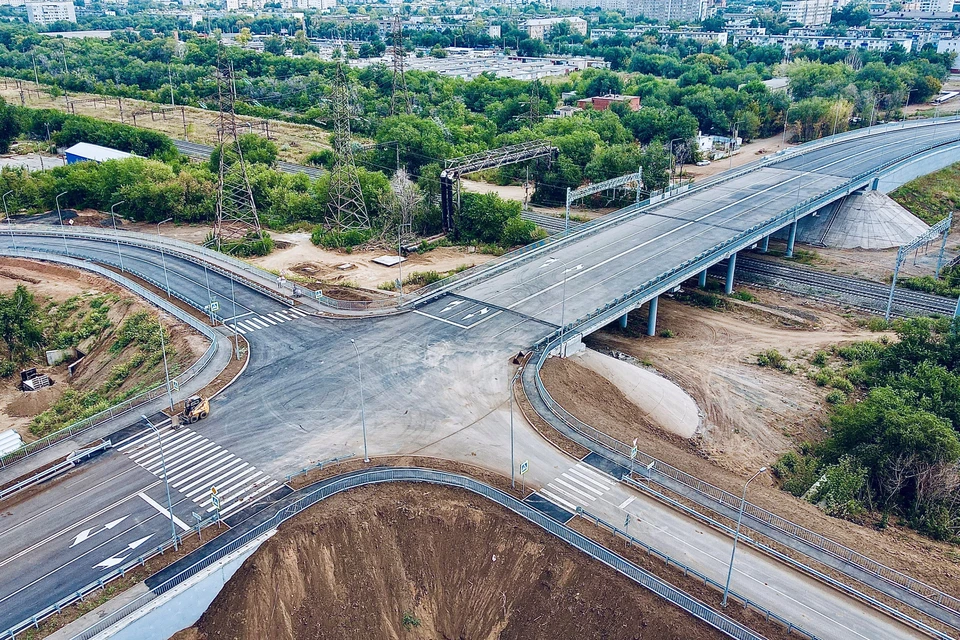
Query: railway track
point(844, 290)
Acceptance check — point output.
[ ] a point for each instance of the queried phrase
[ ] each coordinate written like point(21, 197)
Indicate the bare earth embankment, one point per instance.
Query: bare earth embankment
point(445, 562)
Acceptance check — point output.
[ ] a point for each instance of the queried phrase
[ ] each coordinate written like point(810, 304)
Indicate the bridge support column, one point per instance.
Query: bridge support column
point(731, 267)
point(623, 321)
point(791, 239)
point(702, 280)
point(652, 317)
point(765, 245)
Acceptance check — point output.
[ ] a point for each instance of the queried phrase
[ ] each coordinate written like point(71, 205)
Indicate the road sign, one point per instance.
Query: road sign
point(633, 451)
point(214, 306)
point(318, 294)
point(216, 502)
point(175, 385)
point(524, 466)
point(197, 516)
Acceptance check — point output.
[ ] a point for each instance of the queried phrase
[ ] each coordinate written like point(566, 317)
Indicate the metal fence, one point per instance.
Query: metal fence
point(752, 512)
point(131, 403)
point(376, 476)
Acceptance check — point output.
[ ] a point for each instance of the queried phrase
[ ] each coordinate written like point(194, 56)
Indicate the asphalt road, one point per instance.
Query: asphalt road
point(435, 382)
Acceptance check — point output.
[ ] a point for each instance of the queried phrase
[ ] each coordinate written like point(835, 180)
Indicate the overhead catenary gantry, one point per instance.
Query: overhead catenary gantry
point(494, 159)
point(590, 189)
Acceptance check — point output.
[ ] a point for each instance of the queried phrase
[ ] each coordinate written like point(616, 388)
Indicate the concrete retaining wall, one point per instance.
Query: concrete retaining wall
point(181, 607)
point(920, 166)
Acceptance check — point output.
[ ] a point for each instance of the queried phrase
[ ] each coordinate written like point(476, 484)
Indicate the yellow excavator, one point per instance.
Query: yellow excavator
point(194, 408)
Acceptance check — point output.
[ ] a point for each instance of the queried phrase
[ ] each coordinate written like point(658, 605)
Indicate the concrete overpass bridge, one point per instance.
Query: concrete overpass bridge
point(597, 273)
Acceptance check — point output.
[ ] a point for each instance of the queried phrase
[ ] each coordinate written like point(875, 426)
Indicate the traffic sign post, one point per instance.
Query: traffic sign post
point(318, 294)
point(633, 456)
point(216, 502)
point(196, 516)
point(524, 467)
point(214, 306)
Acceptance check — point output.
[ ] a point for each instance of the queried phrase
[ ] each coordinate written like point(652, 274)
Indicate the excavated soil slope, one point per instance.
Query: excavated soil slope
point(451, 563)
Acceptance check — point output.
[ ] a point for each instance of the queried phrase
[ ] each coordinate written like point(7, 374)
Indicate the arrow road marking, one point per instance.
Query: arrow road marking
point(110, 562)
point(576, 268)
point(451, 306)
point(136, 543)
point(83, 535)
point(482, 312)
point(548, 263)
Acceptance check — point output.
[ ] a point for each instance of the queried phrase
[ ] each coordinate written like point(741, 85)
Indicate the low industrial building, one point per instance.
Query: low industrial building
point(86, 152)
point(602, 103)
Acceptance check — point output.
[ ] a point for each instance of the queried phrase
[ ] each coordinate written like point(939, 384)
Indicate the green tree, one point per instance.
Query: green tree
point(19, 328)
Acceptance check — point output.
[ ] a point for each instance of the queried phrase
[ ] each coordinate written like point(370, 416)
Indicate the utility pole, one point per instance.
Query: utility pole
point(400, 92)
point(237, 217)
point(170, 75)
point(347, 209)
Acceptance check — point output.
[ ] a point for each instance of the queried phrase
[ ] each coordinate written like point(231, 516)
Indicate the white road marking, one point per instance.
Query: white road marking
point(456, 324)
point(451, 305)
point(482, 312)
point(569, 486)
point(140, 438)
point(237, 328)
point(156, 505)
point(109, 563)
point(626, 503)
point(239, 315)
point(555, 499)
point(83, 535)
point(575, 480)
point(268, 319)
point(276, 316)
point(593, 471)
point(588, 479)
point(136, 543)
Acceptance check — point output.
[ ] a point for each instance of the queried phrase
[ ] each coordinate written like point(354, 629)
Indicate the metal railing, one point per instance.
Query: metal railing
point(376, 476)
point(127, 405)
point(752, 512)
point(688, 571)
point(318, 466)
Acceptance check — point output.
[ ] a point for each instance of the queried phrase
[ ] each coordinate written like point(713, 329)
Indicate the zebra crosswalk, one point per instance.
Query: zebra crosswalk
point(579, 486)
point(254, 321)
point(194, 464)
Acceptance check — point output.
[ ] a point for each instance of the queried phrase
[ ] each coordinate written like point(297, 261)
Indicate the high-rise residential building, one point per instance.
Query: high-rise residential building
point(660, 10)
point(49, 12)
point(809, 13)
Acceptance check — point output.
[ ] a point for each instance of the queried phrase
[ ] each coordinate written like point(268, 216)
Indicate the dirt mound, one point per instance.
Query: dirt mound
point(30, 403)
point(408, 561)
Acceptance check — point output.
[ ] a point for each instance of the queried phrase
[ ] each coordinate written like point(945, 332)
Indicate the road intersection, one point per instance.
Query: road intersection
point(435, 383)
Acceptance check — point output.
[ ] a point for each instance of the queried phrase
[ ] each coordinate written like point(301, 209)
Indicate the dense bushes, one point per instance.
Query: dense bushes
point(897, 448)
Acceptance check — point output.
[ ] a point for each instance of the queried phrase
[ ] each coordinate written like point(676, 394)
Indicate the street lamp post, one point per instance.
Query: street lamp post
point(363, 420)
point(736, 537)
point(6, 214)
point(513, 383)
point(166, 369)
point(116, 235)
point(163, 258)
point(733, 138)
point(163, 467)
point(63, 231)
point(400, 254)
point(673, 160)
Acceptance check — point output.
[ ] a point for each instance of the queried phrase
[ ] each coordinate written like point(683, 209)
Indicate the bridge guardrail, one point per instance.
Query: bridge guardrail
point(129, 404)
point(376, 476)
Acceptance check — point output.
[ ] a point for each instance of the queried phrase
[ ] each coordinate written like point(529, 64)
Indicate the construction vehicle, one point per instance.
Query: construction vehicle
point(194, 408)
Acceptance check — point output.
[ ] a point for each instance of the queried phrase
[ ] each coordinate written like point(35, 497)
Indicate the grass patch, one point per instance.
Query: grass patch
point(933, 196)
point(804, 257)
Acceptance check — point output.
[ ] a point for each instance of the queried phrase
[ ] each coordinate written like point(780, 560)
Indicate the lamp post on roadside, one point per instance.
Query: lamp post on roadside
point(163, 467)
point(163, 258)
point(63, 231)
point(113, 216)
point(513, 383)
point(363, 421)
point(400, 254)
point(166, 369)
point(673, 160)
point(6, 214)
point(736, 537)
